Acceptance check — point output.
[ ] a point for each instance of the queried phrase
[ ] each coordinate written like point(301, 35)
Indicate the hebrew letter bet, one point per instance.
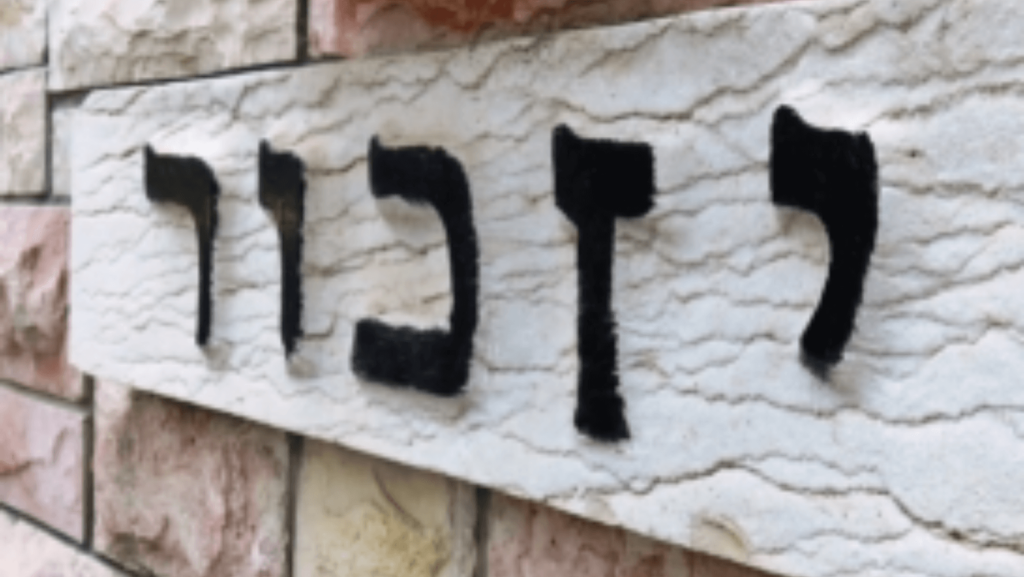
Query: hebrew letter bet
point(433, 361)
point(283, 193)
point(189, 182)
point(596, 182)
point(834, 175)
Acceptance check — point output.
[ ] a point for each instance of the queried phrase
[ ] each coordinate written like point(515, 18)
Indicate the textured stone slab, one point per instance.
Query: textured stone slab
point(26, 551)
point(357, 27)
point(99, 43)
point(907, 463)
point(358, 515)
point(530, 539)
point(34, 309)
point(61, 131)
point(41, 460)
point(183, 491)
point(23, 132)
point(22, 33)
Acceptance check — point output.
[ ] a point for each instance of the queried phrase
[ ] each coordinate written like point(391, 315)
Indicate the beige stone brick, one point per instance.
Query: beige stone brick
point(23, 132)
point(360, 516)
point(105, 42)
point(22, 33)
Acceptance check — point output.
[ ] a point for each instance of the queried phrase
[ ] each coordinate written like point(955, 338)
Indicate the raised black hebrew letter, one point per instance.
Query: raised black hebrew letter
point(597, 181)
point(433, 361)
point(834, 175)
point(189, 182)
point(283, 193)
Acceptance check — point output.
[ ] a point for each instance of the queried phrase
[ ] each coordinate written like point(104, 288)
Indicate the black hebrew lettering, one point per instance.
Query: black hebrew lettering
point(834, 175)
point(433, 361)
point(596, 182)
point(188, 181)
point(282, 191)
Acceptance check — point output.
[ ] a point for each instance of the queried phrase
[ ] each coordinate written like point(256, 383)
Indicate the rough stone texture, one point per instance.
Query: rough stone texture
point(907, 463)
point(34, 300)
point(707, 566)
point(358, 515)
point(103, 42)
point(62, 129)
point(26, 551)
point(185, 492)
point(358, 27)
point(22, 33)
point(531, 540)
point(23, 132)
point(41, 460)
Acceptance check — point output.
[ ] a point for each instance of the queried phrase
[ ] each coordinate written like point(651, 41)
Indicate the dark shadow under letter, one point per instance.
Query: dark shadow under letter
point(433, 361)
point(189, 182)
point(597, 181)
point(834, 175)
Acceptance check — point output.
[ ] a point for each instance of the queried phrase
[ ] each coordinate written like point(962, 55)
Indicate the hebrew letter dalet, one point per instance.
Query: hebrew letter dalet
point(189, 182)
point(433, 361)
point(834, 175)
point(596, 182)
point(282, 191)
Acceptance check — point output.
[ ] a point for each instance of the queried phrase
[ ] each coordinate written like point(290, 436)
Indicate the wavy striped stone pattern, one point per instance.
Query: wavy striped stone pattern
point(908, 462)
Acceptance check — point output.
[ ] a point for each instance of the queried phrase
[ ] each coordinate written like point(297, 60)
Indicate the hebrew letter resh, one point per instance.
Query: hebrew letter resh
point(189, 182)
point(834, 175)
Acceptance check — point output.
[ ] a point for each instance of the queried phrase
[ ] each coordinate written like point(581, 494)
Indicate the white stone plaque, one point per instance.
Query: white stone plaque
point(908, 461)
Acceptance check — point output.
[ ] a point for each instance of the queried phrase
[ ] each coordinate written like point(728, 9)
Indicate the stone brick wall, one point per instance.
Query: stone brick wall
point(98, 479)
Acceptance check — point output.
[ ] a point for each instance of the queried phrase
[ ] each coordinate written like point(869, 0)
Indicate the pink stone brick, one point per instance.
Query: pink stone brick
point(26, 551)
point(358, 27)
point(41, 460)
point(186, 492)
point(34, 302)
point(532, 540)
point(706, 566)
